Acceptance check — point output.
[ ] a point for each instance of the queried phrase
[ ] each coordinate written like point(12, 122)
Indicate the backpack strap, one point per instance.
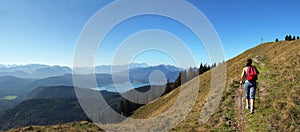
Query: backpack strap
point(246, 69)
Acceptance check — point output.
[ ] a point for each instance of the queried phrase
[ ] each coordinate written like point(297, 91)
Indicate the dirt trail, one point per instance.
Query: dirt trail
point(239, 109)
point(239, 104)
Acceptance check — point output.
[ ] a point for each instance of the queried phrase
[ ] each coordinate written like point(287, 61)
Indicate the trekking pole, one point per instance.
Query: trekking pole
point(241, 103)
point(241, 97)
point(258, 92)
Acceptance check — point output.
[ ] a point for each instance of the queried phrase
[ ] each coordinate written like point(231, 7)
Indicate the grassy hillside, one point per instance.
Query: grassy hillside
point(277, 102)
point(12, 90)
point(83, 126)
point(55, 105)
point(42, 112)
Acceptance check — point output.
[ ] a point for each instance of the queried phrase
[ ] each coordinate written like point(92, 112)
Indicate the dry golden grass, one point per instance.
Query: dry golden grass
point(279, 107)
point(157, 107)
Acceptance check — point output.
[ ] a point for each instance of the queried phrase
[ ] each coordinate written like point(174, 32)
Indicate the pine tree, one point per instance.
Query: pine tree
point(184, 77)
point(294, 38)
point(206, 67)
point(214, 65)
point(177, 82)
point(276, 40)
point(298, 38)
point(169, 87)
point(286, 38)
point(290, 38)
point(201, 69)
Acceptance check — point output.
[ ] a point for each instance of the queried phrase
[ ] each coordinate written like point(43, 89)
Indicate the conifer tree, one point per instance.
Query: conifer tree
point(286, 38)
point(201, 69)
point(177, 82)
point(169, 87)
point(184, 77)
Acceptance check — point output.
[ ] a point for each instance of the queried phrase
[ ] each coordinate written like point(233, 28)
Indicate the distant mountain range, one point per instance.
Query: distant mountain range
point(119, 68)
point(143, 74)
point(44, 71)
point(44, 95)
point(14, 89)
point(25, 68)
point(21, 87)
point(33, 71)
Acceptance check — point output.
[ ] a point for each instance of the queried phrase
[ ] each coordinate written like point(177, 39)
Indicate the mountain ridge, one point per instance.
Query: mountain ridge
point(9, 87)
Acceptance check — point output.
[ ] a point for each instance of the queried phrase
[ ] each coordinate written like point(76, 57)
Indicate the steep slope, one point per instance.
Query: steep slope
point(278, 94)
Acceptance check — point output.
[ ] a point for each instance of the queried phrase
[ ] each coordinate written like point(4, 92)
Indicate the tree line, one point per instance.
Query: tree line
point(289, 38)
point(188, 74)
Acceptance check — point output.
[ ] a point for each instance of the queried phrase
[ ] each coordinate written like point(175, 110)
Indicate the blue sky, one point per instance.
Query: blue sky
point(45, 32)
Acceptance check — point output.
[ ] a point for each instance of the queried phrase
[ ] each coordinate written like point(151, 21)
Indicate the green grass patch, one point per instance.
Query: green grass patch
point(259, 120)
point(9, 98)
point(274, 111)
point(262, 69)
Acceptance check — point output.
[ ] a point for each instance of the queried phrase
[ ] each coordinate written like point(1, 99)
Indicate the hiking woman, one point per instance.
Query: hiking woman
point(249, 74)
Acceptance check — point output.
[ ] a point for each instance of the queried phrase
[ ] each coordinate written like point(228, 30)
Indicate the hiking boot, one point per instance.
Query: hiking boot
point(252, 111)
point(247, 107)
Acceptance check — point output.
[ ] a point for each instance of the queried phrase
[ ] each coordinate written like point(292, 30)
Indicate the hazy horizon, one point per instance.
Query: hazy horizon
point(148, 65)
